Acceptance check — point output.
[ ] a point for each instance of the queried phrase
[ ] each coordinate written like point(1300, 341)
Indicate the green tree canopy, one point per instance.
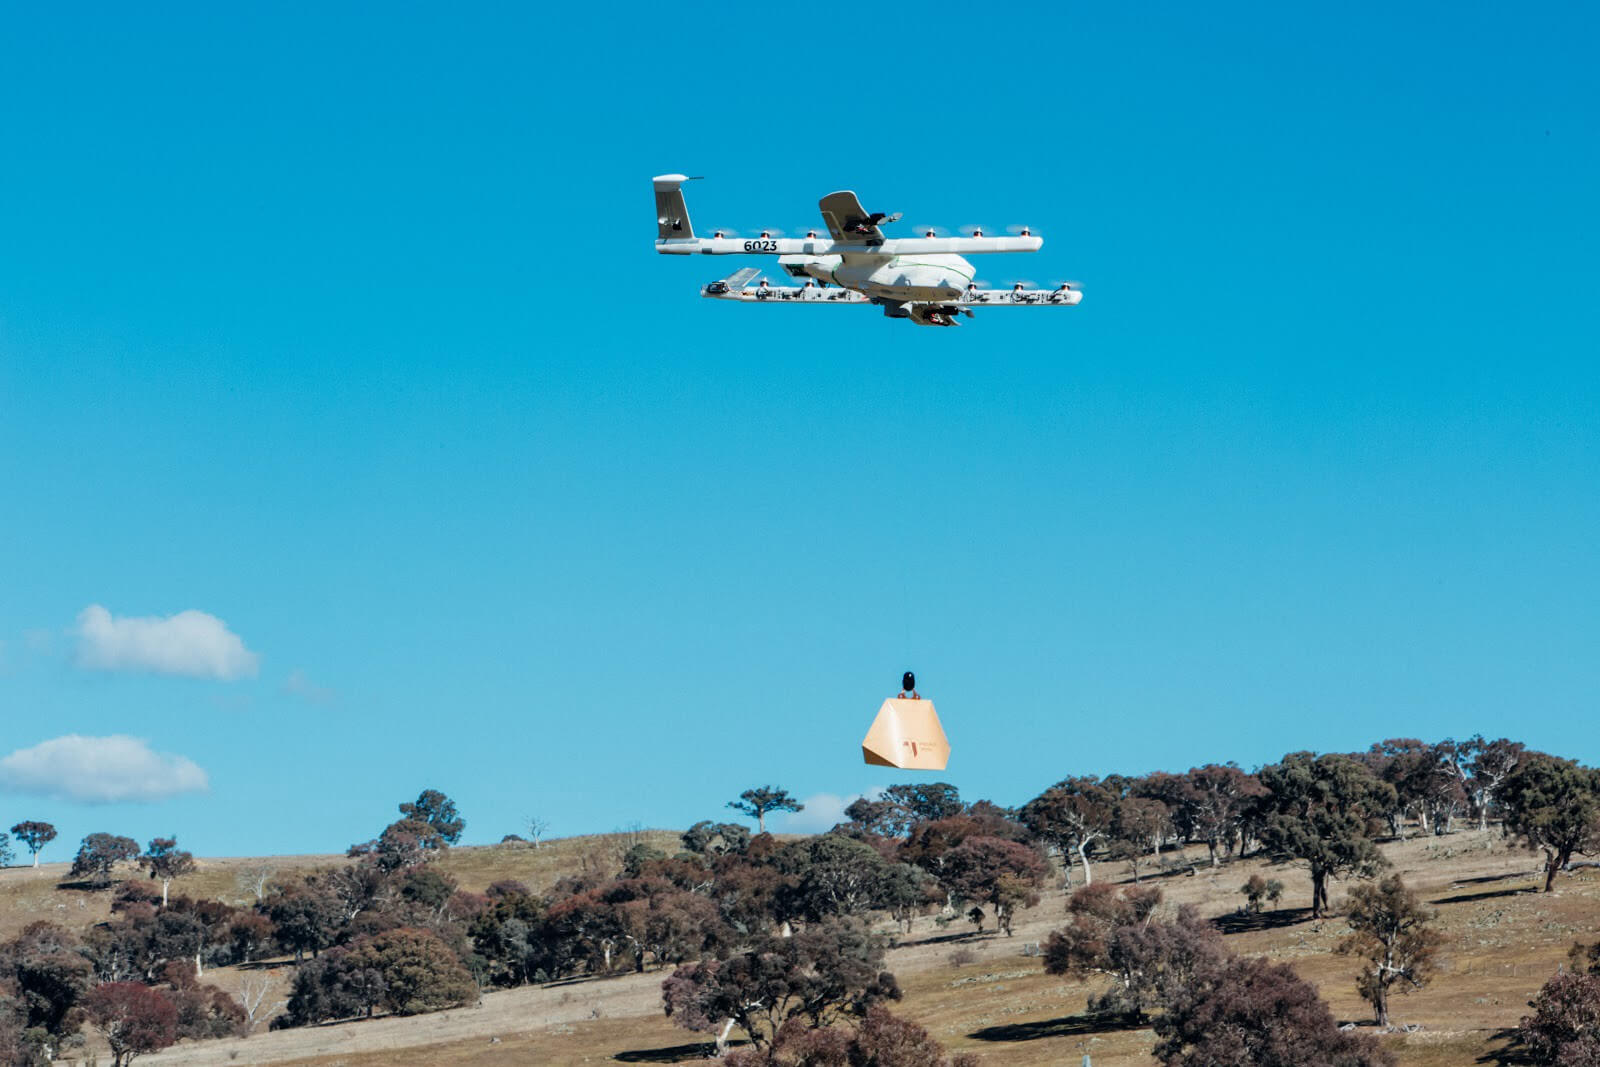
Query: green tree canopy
point(35, 835)
point(1323, 810)
point(1554, 806)
point(437, 811)
point(99, 854)
point(756, 803)
point(166, 861)
point(1389, 931)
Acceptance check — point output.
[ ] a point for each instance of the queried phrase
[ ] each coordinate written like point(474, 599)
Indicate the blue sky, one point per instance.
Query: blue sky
point(345, 329)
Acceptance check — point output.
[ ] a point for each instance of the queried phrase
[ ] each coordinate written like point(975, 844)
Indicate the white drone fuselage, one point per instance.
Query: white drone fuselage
point(925, 279)
point(931, 278)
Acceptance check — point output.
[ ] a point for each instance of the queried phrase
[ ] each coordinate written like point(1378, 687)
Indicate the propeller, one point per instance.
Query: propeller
point(723, 231)
point(771, 231)
point(1023, 230)
point(931, 231)
point(973, 229)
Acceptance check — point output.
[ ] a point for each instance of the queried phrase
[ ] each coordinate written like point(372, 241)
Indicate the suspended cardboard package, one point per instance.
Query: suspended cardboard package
point(906, 734)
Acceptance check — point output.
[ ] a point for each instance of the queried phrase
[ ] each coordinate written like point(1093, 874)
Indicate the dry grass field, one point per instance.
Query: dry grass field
point(982, 994)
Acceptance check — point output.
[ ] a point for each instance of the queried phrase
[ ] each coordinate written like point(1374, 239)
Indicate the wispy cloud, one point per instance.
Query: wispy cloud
point(299, 685)
point(100, 770)
point(822, 812)
point(190, 643)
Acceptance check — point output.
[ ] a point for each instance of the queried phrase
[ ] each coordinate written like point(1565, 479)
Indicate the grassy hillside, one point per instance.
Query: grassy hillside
point(28, 894)
point(976, 993)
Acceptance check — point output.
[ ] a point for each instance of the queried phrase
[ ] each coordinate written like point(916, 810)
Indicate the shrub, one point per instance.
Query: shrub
point(1564, 1028)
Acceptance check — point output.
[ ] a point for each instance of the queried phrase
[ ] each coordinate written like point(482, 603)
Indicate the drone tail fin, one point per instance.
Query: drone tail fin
point(672, 214)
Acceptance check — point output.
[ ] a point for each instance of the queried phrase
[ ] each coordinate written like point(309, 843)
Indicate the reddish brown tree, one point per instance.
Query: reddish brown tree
point(1252, 1013)
point(1564, 1028)
point(46, 967)
point(204, 1011)
point(133, 1018)
point(882, 1040)
point(584, 930)
point(1115, 934)
point(1072, 815)
point(1214, 802)
point(402, 844)
point(988, 870)
point(1095, 912)
point(248, 933)
point(1138, 826)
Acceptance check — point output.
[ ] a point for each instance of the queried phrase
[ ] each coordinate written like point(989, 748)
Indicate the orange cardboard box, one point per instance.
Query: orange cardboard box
point(906, 734)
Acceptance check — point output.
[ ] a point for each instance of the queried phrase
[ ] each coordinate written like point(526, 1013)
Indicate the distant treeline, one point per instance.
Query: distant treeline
point(772, 939)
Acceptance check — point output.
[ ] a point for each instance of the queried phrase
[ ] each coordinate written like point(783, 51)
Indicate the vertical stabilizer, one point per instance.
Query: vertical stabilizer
point(672, 214)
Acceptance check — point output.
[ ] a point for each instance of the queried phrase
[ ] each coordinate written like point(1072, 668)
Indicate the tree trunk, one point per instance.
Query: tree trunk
point(1083, 856)
point(36, 859)
point(761, 822)
point(1553, 862)
point(165, 882)
point(722, 1038)
point(1211, 847)
point(1319, 892)
point(198, 970)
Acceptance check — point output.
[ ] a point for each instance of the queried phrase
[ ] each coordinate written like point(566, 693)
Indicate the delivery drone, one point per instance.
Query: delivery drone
point(924, 279)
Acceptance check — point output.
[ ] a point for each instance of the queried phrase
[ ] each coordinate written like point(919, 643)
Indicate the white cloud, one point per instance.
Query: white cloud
point(822, 812)
point(99, 770)
point(300, 685)
point(190, 643)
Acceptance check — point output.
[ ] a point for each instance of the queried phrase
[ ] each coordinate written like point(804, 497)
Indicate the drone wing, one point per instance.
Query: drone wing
point(848, 222)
